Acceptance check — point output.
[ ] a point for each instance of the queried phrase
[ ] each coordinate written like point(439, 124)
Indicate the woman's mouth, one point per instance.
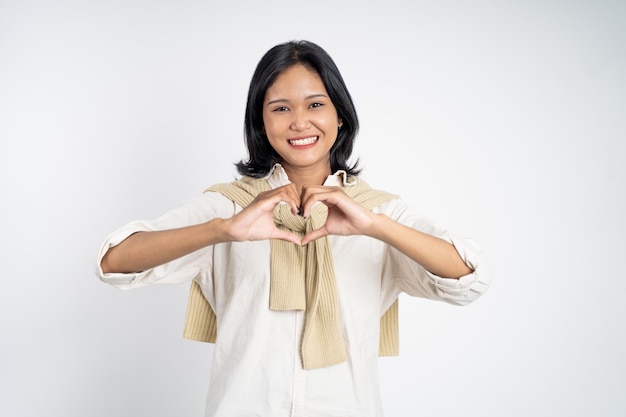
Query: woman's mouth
point(303, 141)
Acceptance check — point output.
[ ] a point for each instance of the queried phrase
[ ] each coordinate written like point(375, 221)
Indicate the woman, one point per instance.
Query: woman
point(299, 231)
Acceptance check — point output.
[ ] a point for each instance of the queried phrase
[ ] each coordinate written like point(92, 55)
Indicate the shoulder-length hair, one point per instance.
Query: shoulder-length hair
point(262, 156)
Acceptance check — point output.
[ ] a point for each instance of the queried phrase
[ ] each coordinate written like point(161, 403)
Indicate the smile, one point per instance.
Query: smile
point(303, 141)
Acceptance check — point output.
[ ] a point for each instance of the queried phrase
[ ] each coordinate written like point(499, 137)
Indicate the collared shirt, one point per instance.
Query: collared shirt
point(257, 368)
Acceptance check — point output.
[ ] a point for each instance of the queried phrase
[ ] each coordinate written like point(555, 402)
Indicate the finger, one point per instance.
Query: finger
point(290, 196)
point(314, 235)
point(309, 191)
point(327, 195)
point(282, 195)
point(288, 236)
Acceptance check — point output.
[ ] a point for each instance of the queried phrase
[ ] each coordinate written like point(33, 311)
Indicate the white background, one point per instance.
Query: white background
point(501, 120)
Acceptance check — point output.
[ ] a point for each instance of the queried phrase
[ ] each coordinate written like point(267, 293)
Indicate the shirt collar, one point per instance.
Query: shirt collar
point(278, 177)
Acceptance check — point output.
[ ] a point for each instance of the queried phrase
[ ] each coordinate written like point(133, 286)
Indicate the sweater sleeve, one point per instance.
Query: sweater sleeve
point(411, 278)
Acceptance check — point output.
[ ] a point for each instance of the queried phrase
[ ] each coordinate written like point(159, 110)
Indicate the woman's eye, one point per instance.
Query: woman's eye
point(281, 108)
point(316, 105)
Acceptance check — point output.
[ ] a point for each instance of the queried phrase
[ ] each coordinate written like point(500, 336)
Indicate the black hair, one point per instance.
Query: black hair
point(262, 156)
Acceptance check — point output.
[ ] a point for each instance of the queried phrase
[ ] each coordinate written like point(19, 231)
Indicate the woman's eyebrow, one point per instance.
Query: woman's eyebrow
point(284, 100)
point(316, 96)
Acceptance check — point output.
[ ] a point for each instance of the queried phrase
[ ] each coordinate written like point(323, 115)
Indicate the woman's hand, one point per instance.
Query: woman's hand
point(145, 250)
point(255, 222)
point(345, 216)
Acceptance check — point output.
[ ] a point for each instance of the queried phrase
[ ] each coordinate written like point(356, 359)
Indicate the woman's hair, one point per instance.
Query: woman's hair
point(262, 156)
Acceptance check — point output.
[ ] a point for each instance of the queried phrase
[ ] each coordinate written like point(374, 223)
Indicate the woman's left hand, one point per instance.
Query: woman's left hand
point(345, 216)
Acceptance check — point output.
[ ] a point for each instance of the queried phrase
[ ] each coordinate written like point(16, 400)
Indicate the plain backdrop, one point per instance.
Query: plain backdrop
point(499, 120)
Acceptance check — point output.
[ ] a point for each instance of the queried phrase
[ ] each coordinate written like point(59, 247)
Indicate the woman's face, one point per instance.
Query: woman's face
point(300, 120)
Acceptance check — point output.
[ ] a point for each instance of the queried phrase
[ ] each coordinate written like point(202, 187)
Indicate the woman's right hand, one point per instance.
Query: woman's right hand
point(255, 222)
point(144, 250)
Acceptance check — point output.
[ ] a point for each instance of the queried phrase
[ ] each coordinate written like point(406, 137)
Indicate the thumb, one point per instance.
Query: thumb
point(288, 236)
point(314, 235)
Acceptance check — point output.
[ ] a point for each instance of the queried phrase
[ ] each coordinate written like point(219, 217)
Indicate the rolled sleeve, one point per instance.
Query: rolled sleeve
point(122, 280)
point(412, 279)
point(469, 287)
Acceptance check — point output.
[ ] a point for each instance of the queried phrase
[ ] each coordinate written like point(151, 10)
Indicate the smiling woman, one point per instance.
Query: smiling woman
point(297, 265)
point(275, 64)
point(301, 124)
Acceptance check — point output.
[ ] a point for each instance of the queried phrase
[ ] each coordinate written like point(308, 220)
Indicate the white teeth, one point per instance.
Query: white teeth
point(305, 141)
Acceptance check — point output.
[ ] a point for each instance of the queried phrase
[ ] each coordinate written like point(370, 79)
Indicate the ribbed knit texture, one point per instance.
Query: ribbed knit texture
point(301, 278)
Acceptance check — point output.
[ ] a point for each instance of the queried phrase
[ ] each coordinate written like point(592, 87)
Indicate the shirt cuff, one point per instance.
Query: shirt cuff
point(120, 280)
point(469, 287)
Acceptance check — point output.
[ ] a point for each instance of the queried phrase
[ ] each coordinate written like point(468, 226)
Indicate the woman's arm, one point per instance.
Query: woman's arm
point(434, 254)
point(346, 217)
point(145, 250)
point(148, 249)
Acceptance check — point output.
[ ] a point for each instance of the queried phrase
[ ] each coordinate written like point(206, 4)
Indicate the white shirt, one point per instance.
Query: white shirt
point(257, 369)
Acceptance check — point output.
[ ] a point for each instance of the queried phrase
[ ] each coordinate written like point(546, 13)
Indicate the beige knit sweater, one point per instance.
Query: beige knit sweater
point(314, 291)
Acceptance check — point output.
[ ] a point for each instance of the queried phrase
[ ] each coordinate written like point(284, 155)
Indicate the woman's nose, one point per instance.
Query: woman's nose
point(300, 120)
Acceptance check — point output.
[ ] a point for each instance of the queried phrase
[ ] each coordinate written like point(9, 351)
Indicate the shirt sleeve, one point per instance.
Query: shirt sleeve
point(411, 278)
point(197, 210)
